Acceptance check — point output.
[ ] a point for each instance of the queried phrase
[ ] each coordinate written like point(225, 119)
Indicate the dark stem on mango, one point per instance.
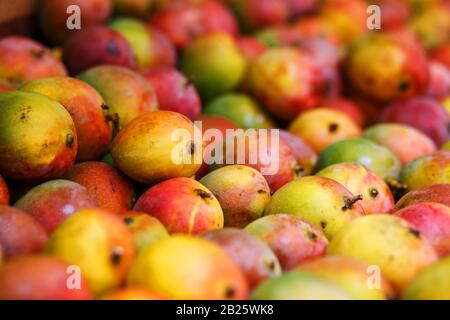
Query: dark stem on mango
point(349, 202)
point(203, 194)
point(69, 140)
point(114, 119)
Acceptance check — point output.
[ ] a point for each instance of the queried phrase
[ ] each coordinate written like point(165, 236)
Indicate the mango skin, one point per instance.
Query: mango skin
point(427, 170)
point(146, 229)
point(150, 47)
point(294, 84)
point(240, 109)
point(98, 242)
point(433, 221)
point(215, 64)
point(50, 203)
point(446, 146)
point(53, 17)
point(318, 200)
point(143, 150)
point(299, 285)
point(20, 233)
point(45, 278)
point(23, 59)
point(85, 105)
point(183, 205)
point(377, 197)
point(290, 238)
point(398, 71)
point(184, 267)
point(365, 152)
point(388, 242)
point(406, 142)
point(127, 94)
point(253, 256)
point(110, 188)
point(4, 192)
point(242, 192)
point(38, 139)
point(324, 126)
point(433, 283)
point(133, 293)
point(351, 275)
point(432, 193)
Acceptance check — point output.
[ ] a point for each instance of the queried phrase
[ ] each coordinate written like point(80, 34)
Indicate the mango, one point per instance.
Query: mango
point(99, 243)
point(23, 59)
point(433, 221)
point(291, 239)
point(387, 242)
point(52, 202)
point(387, 67)
point(94, 46)
point(253, 256)
point(184, 267)
point(322, 127)
point(85, 105)
point(427, 170)
point(154, 147)
point(215, 64)
point(240, 109)
point(150, 46)
point(433, 283)
point(175, 92)
point(299, 285)
point(351, 275)
point(53, 17)
point(127, 94)
point(146, 229)
point(38, 140)
point(20, 233)
point(320, 201)
point(107, 186)
point(41, 277)
point(183, 205)
point(406, 142)
point(432, 193)
point(295, 83)
point(242, 192)
point(365, 152)
point(4, 192)
point(376, 195)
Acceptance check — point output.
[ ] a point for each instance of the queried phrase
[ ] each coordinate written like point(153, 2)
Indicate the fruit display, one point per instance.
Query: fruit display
point(225, 150)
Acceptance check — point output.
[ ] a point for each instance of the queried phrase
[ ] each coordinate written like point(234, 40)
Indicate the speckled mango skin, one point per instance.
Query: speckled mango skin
point(143, 150)
point(386, 67)
point(377, 197)
point(38, 139)
point(427, 170)
point(98, 242)
point(350, 274)
point(406, 142)
point(127, 94)
point(318, 200)
point(363, 151)
point(184, 267)
point(433, 283)
point(299, 285)
point(85, 105)
point(183, 205)
point(215, 64)
point(242, 192)
point(388, 242)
